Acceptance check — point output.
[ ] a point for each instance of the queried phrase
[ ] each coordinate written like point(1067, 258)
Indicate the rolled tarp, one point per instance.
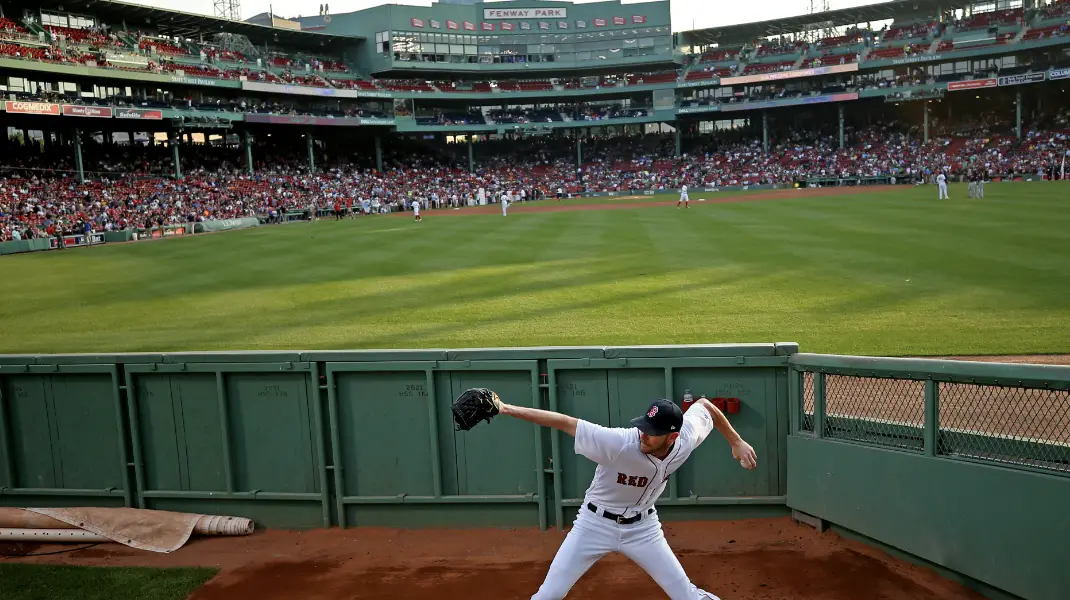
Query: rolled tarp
point(49, 536)
point(152, 530)
point(226, 225)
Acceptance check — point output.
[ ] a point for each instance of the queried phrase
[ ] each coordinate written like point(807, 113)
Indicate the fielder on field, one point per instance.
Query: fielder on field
point(941, 185)
point(618, 514)
point(683, 198)
point(505, 204)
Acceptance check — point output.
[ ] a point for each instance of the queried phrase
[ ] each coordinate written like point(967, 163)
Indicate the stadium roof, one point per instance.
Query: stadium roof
point(178, 23)
point(746, 32)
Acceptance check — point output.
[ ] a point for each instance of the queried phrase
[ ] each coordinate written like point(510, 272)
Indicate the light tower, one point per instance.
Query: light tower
point(228, 9)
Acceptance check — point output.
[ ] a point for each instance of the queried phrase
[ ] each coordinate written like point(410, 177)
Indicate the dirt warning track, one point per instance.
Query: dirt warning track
point(757, 559)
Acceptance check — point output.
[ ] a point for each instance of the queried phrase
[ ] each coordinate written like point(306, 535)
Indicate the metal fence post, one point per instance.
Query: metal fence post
point(932, 417)
point(819, 405)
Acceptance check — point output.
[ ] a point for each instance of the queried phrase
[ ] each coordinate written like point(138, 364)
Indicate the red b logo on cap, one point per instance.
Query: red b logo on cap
point(653, 411)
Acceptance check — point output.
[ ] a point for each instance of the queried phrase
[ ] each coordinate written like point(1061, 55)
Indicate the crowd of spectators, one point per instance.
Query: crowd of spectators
point(128, 185)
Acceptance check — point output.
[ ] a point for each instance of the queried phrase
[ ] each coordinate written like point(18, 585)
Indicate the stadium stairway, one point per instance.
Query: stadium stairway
point(127, 38)
point(35, 28)
point(1021, 34)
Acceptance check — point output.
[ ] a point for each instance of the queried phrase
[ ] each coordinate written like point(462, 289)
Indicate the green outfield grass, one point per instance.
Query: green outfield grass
point(44, 582)
point(891, 272)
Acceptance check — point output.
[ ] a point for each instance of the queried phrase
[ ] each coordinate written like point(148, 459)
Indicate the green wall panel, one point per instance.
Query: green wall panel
point(375, 411)
point(409, 516)
point(711, 470)
point(64, 431)
point(499, 458)
point(29, 432)
point(584, 394)
point(87, 431)
point(181, 432)
point(275, 514)
point(631, 391)
point(271, 432)
point(1002, 526)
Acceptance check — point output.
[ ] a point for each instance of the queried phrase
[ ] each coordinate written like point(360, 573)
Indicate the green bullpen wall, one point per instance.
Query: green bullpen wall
point(963, 466)
point(294, 439)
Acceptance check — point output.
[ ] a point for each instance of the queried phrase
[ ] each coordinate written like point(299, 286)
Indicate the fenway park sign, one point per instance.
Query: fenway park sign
point(524, 13)
point(31, 108)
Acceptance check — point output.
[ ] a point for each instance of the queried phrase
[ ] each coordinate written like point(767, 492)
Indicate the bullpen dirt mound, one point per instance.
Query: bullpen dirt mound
point(761, 559)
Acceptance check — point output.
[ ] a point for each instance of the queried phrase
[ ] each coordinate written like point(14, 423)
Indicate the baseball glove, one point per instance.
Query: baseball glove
point(473, 406)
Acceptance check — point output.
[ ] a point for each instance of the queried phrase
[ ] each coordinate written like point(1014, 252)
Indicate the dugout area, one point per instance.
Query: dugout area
point(930, 460)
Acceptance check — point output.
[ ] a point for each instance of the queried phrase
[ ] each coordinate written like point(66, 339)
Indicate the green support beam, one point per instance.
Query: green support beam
point(471, 156)
point(1018, 114)
point(247, 143)
point(173, 140)
point(311, 154)
point(678, 143)
point(925, 121)
point(579, 153)
point(379, 153)
point(765, 132)
point(78, 165)
point(841, 126)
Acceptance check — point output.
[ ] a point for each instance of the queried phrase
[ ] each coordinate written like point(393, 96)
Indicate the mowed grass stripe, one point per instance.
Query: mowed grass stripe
point(827, 272)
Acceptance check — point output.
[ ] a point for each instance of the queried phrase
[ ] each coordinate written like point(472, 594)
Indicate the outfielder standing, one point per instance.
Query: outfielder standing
point(505, 204)
point(618, 513)
point(941, 184)
point(683, 198)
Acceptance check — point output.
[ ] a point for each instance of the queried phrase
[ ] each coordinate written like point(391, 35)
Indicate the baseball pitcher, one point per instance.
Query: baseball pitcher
point(634, 464)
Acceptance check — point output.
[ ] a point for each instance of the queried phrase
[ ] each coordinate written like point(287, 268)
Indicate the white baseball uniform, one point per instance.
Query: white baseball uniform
point(505, 204)
point(416, 208)
point(626, 483)
point(941, 184)
point(683, 194)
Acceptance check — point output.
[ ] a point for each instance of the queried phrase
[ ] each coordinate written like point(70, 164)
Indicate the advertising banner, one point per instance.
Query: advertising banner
point(73, 241)
point(1024, 78)
point(31, 108)
point(138, 113)
point(75, 110)
point(972, 84)
point(778, 75)
point(1056, 74)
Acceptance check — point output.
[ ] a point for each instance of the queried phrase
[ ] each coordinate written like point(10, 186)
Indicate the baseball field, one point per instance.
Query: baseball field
point(879, 271)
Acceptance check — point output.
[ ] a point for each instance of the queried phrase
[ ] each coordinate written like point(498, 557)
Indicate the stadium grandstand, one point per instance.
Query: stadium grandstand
point(120, 116)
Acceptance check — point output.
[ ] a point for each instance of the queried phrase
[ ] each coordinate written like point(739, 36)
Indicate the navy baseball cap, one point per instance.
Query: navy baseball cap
point(663, 417)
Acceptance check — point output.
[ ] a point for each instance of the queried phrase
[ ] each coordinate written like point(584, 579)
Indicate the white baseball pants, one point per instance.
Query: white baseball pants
point(943, 191)
point(593, 536)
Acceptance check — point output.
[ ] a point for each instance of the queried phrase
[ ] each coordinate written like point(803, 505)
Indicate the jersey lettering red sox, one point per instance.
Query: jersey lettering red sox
point(627, 481)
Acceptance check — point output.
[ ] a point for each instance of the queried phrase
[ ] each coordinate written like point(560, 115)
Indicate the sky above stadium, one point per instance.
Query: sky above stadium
point(686, 14)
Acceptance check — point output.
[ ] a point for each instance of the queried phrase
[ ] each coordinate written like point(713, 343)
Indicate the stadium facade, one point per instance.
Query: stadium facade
point(473, 71)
